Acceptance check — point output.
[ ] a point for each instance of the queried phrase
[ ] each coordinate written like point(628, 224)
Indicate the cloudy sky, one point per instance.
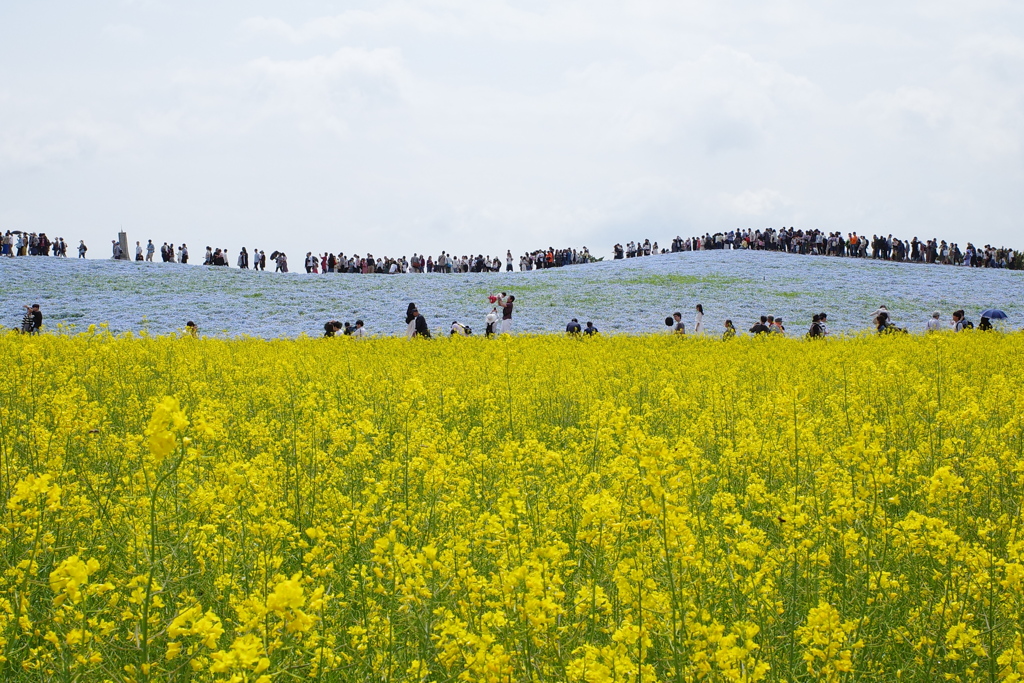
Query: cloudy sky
point(481, 125)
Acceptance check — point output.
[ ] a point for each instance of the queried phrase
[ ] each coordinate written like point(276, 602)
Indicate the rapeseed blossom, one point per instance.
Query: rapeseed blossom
point(607, 509)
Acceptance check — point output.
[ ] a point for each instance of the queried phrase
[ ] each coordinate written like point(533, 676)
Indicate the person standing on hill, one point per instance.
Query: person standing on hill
point(815, 331)
point(416, 324)
point(491, 323)
point(960, 322)
point(410, 320)
point(935, 323)
point(33, 320)
point(82, 248)
point(698, 321)
point(760, 327)
point(150, 248)
point(678, 326)
point(506, 315)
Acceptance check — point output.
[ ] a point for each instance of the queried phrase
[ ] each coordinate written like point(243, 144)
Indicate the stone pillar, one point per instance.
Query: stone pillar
point(122, 237)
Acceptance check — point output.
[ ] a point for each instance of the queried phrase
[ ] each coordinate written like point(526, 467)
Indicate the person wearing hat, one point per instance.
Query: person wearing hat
point(935, 324)
point(491, 323)
point(815, 332)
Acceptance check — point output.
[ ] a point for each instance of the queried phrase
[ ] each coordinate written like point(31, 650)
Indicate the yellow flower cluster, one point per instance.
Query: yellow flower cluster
point(532, 508)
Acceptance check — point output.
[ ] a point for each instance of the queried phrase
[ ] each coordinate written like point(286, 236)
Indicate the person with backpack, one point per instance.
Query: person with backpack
point(960, 323)
point(33, 320)
point(824, 323)
point(816, 331)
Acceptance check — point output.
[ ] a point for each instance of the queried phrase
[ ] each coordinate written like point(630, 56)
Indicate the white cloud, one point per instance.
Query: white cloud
point(125, 33)
point(755, 203)
point(54, 142)
point(558, 122)
point(325, 93)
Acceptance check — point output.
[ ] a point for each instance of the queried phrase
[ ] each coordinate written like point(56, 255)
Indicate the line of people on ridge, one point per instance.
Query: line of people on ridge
point(817, 242)
point(787, 240)
point(444, 263)
point(17, 243)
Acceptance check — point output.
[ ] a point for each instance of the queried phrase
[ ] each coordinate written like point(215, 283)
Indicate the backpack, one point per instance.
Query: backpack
point(968, 325)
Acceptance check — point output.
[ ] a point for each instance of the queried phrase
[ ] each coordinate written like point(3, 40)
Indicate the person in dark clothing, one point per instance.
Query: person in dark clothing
point(760, 327)
point(573, 327)
point(506, 315)
point(985, 324)
point(815, 332)
point(421, 329)
point(33, 319)
point(590, 329)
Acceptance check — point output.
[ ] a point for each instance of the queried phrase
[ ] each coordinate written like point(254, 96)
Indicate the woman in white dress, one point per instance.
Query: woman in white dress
point(698, 321)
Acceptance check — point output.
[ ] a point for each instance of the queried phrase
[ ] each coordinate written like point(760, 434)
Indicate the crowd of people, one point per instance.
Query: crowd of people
point(787, 240)
point(498, 321)
point(818, 242)
point(444, 262)
point(18, 243)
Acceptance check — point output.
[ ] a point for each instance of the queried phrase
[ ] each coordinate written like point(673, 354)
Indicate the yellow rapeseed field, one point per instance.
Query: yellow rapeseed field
point(524, 509)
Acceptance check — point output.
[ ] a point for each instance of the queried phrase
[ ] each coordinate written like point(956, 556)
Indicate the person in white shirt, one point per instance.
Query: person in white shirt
point(358, 331)
point(935, 324)
point(491, 323)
